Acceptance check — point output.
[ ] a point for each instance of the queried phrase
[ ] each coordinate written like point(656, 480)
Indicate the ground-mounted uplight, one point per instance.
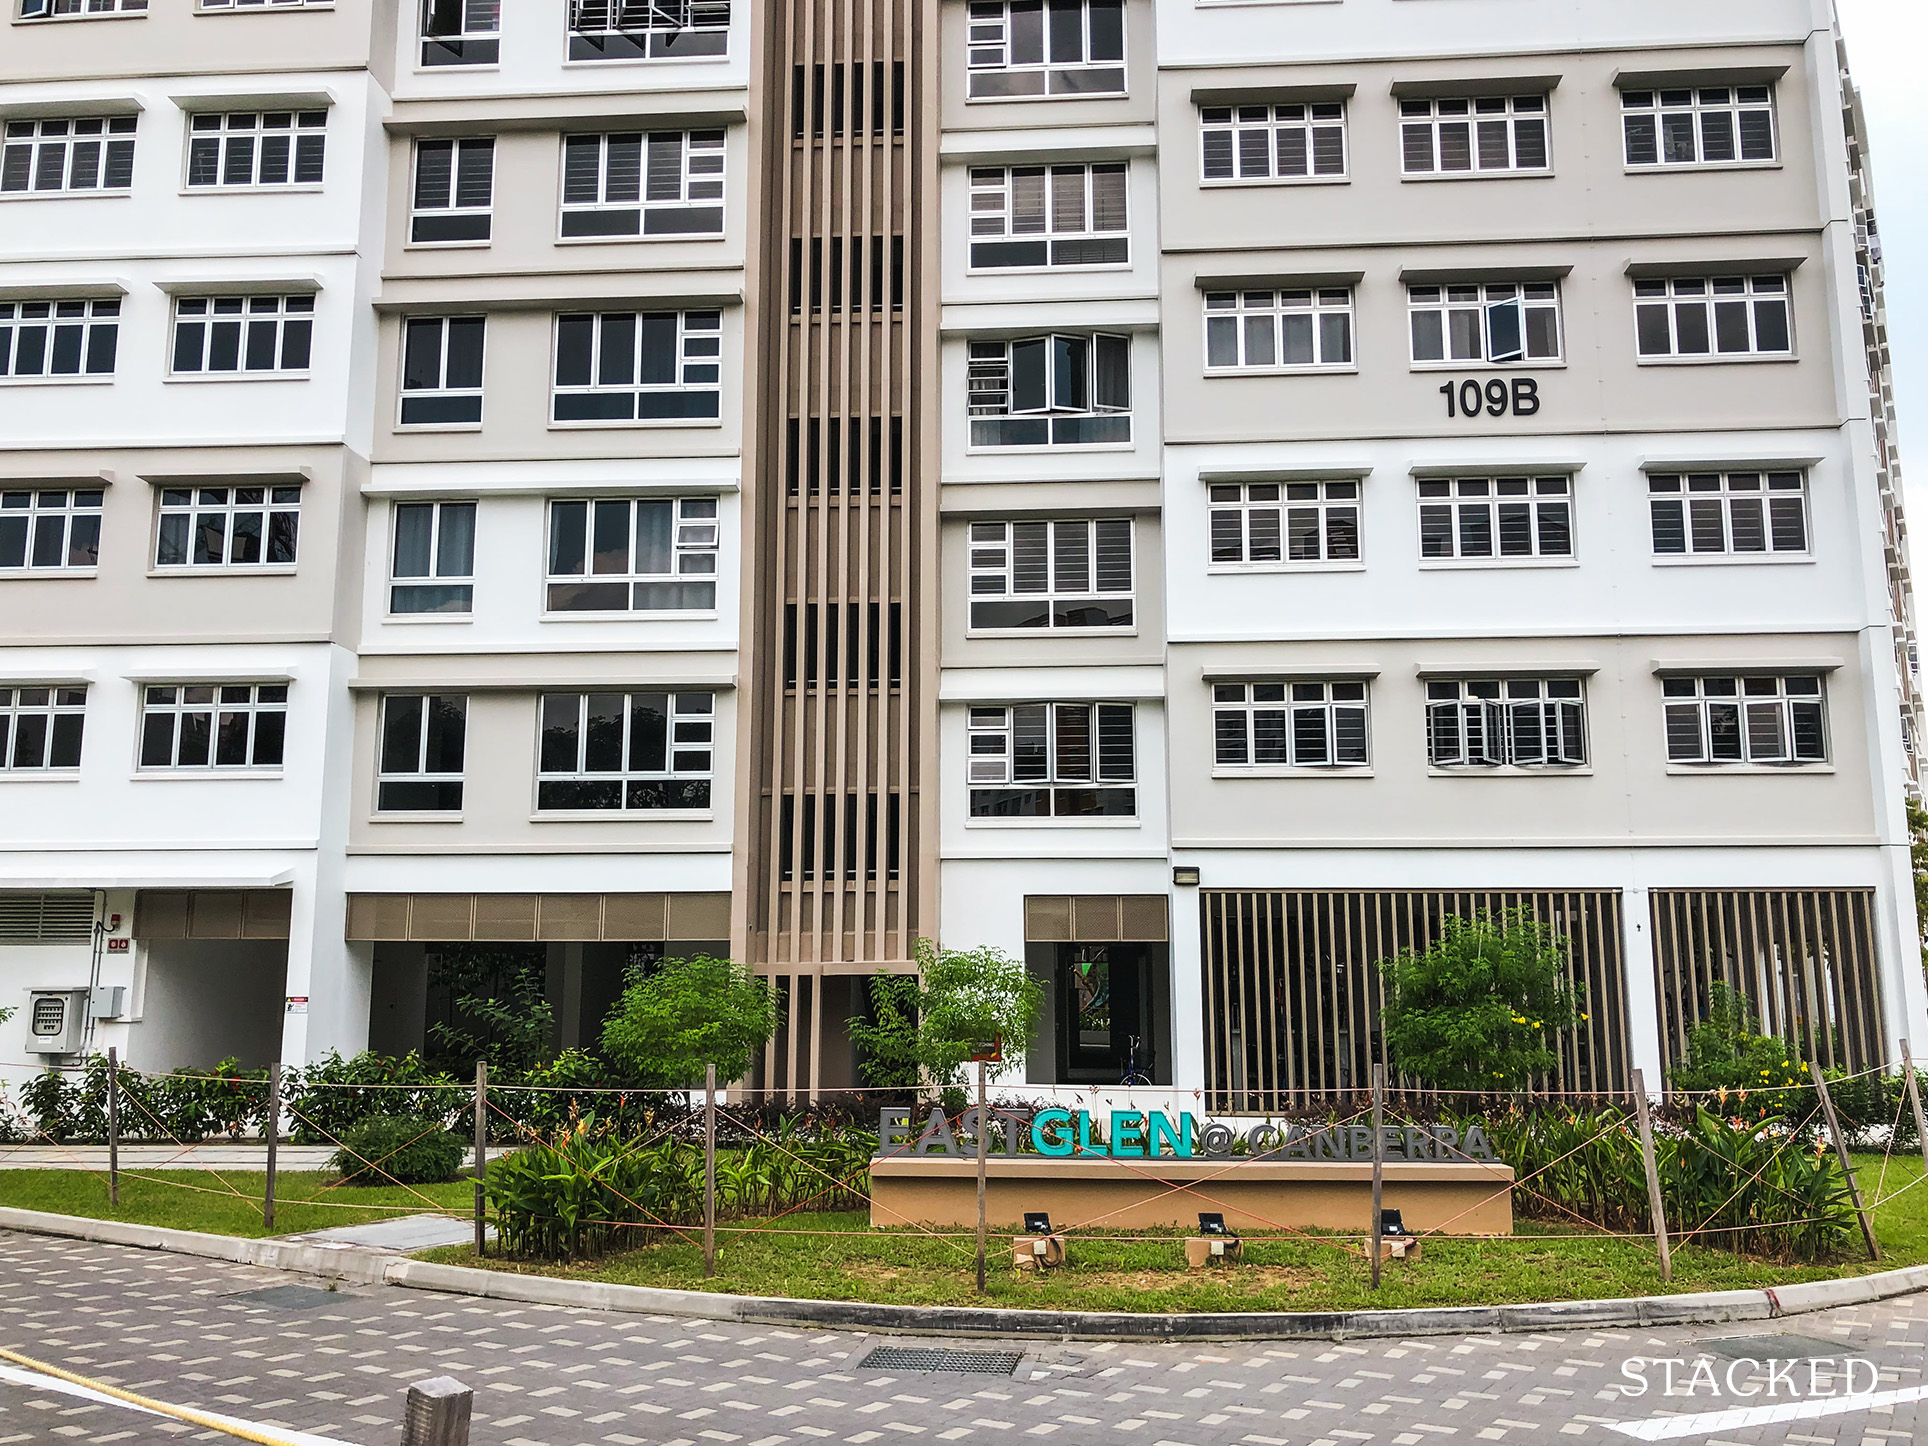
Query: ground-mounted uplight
point(1040, 1247)
point(1214, 1242)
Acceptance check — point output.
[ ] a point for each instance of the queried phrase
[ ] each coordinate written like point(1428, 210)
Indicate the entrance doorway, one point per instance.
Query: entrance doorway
point(1104, 1014)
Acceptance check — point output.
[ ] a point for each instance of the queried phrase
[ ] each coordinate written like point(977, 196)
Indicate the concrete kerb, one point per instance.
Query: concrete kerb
point(361, 1266)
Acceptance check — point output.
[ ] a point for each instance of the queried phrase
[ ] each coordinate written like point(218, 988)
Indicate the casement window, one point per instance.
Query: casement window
point(257, 148)
point(214, 726)
point(1517, 323)
point(1728, 514)
point(1494, 135)
point(793, 840)
point(49, 340)
point(627, 366)
point(50, 529)
point(228, 527)
point(68, 154)
point(1053, 760)
point(40, 728)
point(1505, 723)
point(1280, 522)
point(1746, 719)
point(1304, 141)
point(1496, 517)
point(423, 740)
point(1049, 216)
point(647, 555)
point(659, 183)
point(461, 32)
point(1713, 125)
point(1030, 48)
point(1065, 574)
point(868, 286)
point(842, 109)
point(454, 191)
point(442, 371)
point(843, 645)
point(243, 335)
point(1278, 330)
point(1721, 316)
point(628, 752)
point(433, 570)
point(1050, 391)
point(648, 29)
point(78, 9)
point(1291, 723)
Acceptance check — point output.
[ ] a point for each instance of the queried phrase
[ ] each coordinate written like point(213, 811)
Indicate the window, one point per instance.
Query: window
point(1725, 316)
point(1714, 125)
point(209, 725)
point(267, 4)
point(442, 371)
point(1053, 760)
point(1023, 48)
point(1290, 724)
point(50, 529)
point(630, 752)
point(250, 148)
point(1503, 323)
point(1273, 522)
point(243, 334)
point(88, 153)
point(51, 339)
point(434, 566)
point(1493, 135)
point(454, 191)
point(1476, 517)
point(652, 366)
point(648, 29)
point(1505, 722)
point(1276, 330)
point(1049, 216)
point(55, 9)
point(1728, 513)
point(656, 554)
point(40, 728)
point(423, 737)
point(1070, 574)
point(1746, 719)
point(665, 183)
point(461, 32)
point(1050, 391)
point(228, 527)
point(1298, 142)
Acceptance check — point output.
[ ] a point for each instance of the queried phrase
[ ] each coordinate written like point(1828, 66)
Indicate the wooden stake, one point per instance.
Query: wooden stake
point(271, 1129)
point(1378, 1162)
point(1847, 1167)
point(709, 1171)
point(481, 1155)
point(1913, 1087)
point(983, 1148)
point(113, 1125)
point(1654, 1203)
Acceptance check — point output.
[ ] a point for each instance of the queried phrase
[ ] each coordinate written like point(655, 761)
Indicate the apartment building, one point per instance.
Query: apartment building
point(1191, 494)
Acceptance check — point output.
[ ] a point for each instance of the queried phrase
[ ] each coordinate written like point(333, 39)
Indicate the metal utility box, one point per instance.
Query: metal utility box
point(56, 1021)
point(110, 1001)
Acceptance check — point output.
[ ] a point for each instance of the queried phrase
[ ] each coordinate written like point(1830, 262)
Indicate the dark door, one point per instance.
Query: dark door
point(1104, 1022)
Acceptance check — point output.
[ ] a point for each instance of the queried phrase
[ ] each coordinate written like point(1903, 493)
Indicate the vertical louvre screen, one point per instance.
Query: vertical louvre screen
point(65, 918)
point(1293, 997)
point(1805, 959)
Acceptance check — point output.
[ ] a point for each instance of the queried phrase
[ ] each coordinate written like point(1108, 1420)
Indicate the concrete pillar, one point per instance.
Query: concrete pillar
point(1188, 992)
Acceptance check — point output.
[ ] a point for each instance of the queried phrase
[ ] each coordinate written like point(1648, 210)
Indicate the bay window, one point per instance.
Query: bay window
point(1050, 391)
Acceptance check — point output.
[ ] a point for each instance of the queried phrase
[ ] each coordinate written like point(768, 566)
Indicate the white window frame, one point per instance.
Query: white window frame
point(689, 756)
point(1509, 724)
point(90, 327)
point(1262, 323)
point(603, 32)
point(698, 366)
point(448, 587)
point(1270, 520)
point(1693, 104)
point(406, 765)
point(1064, 568)
point(1048, 217)
point(470, 33)
point(1069, 415)
point(694, 538)
point(1294, 709)
point(994, 731)
point(71, 517)
point(291, 319)
point(1718, 301)
point(305, 132)
point(1731, 507)
point(27, 144)
point(1296, 138)
point(1746, 707)
point(1542, 502)
point(993, 44)
point(428, 356)
point(673, 189)
point(183, 515)
point(243, 7)
point(31, 10)
point(1480, 117)
point(60, 711)
point(1483, 304)
point(458, 214)
point(219, 703)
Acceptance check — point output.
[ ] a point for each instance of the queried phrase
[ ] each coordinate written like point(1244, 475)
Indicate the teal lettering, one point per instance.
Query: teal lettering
point(1179, 1140)
point(1087, 1145)
point(1046, 1136)
point(1127, 1135)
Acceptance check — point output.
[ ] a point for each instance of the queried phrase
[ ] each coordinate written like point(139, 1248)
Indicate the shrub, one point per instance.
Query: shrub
point(399, 1149)
point(927, 1027)
point(688, 1013)
point(584, 1191)
point(329, 1098)
point(497, 996)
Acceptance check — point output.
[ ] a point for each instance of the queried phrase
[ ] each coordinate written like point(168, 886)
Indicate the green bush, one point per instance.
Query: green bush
point(334, 1095)
point(399, 1149)
point(926, 1027)
point(584, 1191)
point(686, 1014)
point(70, 1106)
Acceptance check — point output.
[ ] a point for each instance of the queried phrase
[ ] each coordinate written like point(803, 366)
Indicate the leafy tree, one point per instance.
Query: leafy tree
point(1480, 1008)
point(930, 1025)
point(689, 1013)
point(498, 1009)
point(1918, 857)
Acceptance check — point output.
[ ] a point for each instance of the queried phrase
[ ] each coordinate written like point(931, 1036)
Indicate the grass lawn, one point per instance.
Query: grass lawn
point(157, 1197)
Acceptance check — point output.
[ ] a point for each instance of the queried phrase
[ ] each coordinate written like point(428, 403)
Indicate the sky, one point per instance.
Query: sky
point(1886, 39)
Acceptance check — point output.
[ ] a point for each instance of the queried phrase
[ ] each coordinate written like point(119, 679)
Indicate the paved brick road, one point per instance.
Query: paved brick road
point(199, 1333)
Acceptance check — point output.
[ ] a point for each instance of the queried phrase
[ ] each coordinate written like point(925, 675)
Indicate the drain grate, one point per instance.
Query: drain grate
point(1772, 1347)
point(965, 1363)
point(287, 1297)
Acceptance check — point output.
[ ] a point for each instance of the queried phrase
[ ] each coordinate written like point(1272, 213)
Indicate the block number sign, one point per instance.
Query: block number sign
point(1519, 396)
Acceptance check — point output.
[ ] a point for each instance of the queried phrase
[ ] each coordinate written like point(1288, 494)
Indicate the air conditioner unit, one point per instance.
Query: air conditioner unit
point(56, 1021)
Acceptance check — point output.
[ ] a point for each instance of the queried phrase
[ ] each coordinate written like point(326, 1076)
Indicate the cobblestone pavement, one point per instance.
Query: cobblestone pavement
point(275, 1349)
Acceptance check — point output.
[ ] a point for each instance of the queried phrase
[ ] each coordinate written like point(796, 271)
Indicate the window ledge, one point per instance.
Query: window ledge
point(619, 815)
point(1002, 633)
point(996, 271)
point(1691, 167)
point(226, 569)
point(1350, 770)
point(1054, 823)
point(479, 68)
point(1736, 559)
point(1731, 359)
point(440, 619)
point(706, 422)
point(39, 775)
point(447, 245)
point(99, 194)
point(1260, 569)
point(1051, 450)
point(84, 381)
point(48, 574)
point(205, 775)
point(1480, 564)
point(304, 189)
point(1475, 771)
point(1235, 183)
point(1541, 364)
point(1042, 99)
point(1746, 770)
point(640, 240)
point(422, 428)
point(1216, 373)
point(708, 615)
point(410, 816)
point(26, 20)
point(1423, 177)
point(650, 60)
point(209, 377)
